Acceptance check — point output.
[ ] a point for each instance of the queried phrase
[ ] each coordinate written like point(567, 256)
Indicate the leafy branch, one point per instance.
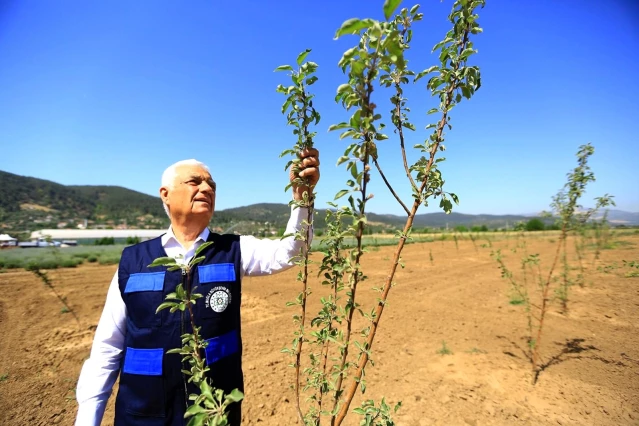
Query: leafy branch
point(210, 406)
point(300, 114)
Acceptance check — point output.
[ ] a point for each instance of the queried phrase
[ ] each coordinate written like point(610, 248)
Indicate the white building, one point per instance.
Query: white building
point(96, 234)
point(7, 240)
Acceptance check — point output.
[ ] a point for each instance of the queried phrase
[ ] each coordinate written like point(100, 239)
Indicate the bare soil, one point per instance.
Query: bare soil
point(592, 352)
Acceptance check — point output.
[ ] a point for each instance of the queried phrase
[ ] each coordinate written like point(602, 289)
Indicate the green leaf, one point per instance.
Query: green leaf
point(206, 390)
point(235, 396)
point(162, 261)
point(341, 193)
point(193, 410)
point(197, 420)
point(347, 134)
point(342, 159)
point(196, 260)
point(338, 126)
point(390, 6)
point(202, 247)
point(343, 88)
point(423, 73)
point(353, 26)
point(283, 68)
point(302, 56)
point(165, 305)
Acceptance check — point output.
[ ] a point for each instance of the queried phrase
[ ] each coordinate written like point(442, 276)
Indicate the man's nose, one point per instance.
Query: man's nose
point(206, 187)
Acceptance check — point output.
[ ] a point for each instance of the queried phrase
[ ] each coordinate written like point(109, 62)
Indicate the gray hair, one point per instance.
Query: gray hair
point(170, 174)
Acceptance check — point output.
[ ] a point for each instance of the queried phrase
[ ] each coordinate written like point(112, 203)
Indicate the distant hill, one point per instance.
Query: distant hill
point(115, 201)
point(28, 204)
point(619, 217)
point(16, 191)
point(278, 214)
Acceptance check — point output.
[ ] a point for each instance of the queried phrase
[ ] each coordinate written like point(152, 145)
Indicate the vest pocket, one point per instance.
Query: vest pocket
point(143, 294)
point(222, 346)
point(141, 382)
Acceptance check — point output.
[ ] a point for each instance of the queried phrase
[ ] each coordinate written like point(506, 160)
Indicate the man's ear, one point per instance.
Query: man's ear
point(164, 195)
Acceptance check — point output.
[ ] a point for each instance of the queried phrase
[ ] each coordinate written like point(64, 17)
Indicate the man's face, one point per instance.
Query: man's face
point(192, 194)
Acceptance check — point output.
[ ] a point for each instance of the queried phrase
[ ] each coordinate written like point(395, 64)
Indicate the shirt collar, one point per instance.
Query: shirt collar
point(169, 237)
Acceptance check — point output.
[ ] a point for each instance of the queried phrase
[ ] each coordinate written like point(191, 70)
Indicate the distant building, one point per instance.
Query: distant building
point(96, 234)
point(7, 240)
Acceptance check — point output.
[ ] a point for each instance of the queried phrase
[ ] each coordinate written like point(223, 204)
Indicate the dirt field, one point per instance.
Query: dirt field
point(458, 298)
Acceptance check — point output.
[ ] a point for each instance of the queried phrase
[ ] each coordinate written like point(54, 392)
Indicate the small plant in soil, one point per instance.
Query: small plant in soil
point(46, 280)
point(444, 350)
point(571, 217)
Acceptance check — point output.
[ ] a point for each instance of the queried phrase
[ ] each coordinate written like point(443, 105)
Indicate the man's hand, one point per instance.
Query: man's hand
point(308, 170)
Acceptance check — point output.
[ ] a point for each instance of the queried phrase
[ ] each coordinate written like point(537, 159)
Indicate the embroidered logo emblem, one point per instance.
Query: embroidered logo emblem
point(218, 299)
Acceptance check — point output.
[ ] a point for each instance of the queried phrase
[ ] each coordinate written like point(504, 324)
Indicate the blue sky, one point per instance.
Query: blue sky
point(111, 93)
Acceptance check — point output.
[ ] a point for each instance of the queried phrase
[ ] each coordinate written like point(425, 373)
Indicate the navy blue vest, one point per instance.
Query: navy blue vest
point(152, 389)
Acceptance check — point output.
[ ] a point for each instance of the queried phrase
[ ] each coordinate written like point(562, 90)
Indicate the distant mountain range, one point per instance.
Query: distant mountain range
point(28, 204)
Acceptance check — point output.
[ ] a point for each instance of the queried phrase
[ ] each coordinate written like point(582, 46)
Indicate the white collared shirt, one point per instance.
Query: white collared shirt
point(100, 371)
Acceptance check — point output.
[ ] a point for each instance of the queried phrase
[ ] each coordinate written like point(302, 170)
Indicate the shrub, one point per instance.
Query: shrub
point(106, 241)
point(535, 224)
point(132, 240)
point(70, 263)
point(108, 260)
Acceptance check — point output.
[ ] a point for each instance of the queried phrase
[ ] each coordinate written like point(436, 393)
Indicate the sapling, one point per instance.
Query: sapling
point(570, 215)
point(602, 235)
point(377, 60)
point(300, 114)
point(209, 407)
point(380, 53)
point(44, 277)
point(472, 238)
point(566, 207)
point(444, 350)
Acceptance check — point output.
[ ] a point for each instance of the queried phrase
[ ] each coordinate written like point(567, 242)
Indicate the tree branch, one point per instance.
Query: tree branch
point(390, 188)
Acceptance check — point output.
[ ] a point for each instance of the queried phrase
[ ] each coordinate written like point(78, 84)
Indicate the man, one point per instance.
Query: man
point(131, 339)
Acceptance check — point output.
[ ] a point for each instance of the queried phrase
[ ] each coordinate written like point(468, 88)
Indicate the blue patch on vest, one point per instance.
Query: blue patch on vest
point(221, 346)
point(150, 281)
point(147, 362)
point(216, 272)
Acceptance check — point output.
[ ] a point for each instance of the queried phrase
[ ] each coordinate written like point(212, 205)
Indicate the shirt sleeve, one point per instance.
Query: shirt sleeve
point(265, 256)
point(100, 371)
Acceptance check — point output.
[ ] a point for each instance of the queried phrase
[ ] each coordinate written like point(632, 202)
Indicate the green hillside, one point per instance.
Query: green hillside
point(115, 201)
point(17, 190)
point(28, 204)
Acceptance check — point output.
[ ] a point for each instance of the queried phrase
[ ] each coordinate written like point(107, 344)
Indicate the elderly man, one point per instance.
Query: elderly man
point(131, 339)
